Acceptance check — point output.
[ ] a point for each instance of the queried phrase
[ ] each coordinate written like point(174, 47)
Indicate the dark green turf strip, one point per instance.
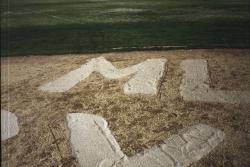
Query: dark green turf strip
point(83, 26)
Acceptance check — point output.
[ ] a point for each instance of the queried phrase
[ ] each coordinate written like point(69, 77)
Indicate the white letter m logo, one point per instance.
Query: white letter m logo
point(144, 79)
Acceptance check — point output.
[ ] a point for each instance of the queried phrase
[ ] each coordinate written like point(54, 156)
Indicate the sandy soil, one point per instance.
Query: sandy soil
point(137, 121)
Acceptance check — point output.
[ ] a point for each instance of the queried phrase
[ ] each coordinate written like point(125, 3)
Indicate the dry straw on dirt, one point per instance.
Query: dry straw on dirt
point(137, 121)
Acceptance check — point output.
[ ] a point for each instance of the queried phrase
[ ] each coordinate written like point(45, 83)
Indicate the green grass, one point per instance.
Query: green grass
point(31, 27)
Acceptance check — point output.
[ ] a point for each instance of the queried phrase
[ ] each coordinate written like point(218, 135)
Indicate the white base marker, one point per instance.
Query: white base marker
point(145, 78)
point(9, 125)
point(195, 86)
point(94, 145)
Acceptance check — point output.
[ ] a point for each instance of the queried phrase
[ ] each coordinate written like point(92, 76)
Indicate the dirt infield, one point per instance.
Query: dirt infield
point(137, 121)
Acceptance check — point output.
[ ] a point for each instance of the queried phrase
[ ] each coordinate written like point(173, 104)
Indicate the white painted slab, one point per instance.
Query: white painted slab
point(144, 79)
point(195, 86)
point(180, 150)
point(92, 142)
point(94, 145)
point(9, 125)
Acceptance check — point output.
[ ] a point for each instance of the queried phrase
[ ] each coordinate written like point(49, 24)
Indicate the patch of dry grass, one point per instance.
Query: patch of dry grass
point(137, 121)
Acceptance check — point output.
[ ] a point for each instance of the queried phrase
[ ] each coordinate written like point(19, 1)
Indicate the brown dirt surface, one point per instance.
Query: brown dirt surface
point(137, 121)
